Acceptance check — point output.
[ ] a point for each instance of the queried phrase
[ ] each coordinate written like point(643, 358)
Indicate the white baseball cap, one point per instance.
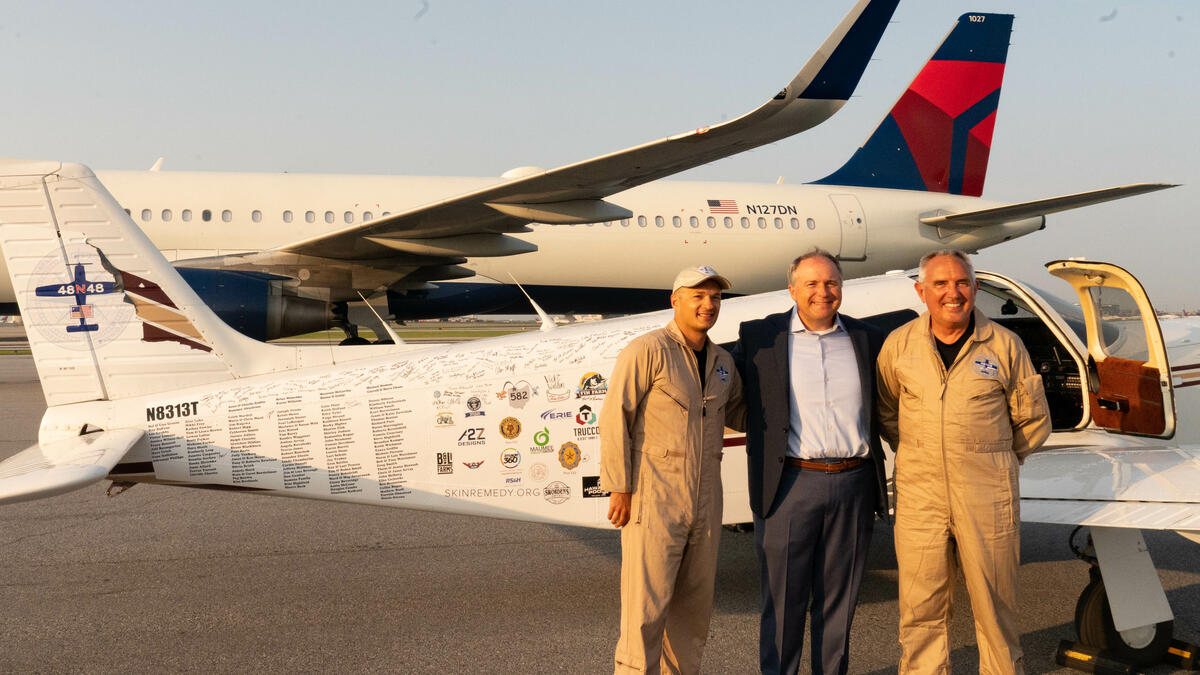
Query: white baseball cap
point(694, 276)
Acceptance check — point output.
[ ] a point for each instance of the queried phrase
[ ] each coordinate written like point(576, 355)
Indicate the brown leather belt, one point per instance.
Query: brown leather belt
point(826, 467)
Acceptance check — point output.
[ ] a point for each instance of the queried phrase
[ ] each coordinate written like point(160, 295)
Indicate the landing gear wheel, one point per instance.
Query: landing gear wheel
point(1094, 623)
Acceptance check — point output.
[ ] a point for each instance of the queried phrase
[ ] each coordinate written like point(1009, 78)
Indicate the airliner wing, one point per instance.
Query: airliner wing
point(1156, 488)
point(575, 192)
point(1040, 207)
point(62, 466)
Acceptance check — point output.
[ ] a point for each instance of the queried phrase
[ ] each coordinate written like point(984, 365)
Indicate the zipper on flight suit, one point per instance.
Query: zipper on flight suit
point(942, 430)
point(690, 355)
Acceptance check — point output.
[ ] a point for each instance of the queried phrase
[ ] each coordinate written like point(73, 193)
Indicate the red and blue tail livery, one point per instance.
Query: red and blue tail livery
point(937, 137)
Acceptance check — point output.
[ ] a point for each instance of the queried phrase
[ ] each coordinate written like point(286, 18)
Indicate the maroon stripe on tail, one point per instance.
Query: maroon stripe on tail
point(146, 289)
point(151, 333)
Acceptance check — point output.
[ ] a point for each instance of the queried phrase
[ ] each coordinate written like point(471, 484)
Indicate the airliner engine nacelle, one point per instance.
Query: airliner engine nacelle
point(258, 305)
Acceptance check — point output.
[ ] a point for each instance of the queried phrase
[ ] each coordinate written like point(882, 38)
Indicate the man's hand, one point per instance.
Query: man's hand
point(619, 507)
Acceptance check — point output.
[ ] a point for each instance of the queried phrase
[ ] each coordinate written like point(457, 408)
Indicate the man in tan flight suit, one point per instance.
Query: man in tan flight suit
point(961, 405)
point(661, 433)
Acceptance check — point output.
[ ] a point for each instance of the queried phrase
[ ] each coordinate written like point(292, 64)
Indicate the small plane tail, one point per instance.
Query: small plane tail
point(938, 135)
point(106, 315)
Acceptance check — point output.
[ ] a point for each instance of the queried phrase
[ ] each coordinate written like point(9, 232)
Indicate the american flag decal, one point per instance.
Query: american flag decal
point(81, 311)
point(722, 206)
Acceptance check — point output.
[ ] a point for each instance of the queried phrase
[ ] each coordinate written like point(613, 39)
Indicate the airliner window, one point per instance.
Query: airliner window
point(812, 224)
point(762, 223)
point(779, 223)
point(728, 222)
point(146, 215)
point(287, 216)
point(386, 214)
point(206, 215)
point(608, 223)
point(624, 222)
point(329, 216)
point(745, 223)
point(694, 221)
point(186, 214)
point(641, 221)
point(348, 217)
point(256, 216)
point(676, 221)
point(795, 223)
point(227, 215)
point(367, 215)
point(711, 222)
point(658, 221)
point(310, 217)
point(166, 215)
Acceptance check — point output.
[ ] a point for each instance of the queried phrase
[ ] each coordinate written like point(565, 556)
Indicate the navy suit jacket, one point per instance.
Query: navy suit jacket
point(761, 357)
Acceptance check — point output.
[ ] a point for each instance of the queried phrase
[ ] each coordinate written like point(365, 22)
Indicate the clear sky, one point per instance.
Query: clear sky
point(1095, 94)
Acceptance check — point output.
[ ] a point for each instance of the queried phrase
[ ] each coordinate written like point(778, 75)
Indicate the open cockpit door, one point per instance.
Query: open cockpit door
point(1128, 377)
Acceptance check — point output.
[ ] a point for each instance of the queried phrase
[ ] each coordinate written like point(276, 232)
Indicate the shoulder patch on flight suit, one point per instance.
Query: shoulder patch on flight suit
point(986, 367)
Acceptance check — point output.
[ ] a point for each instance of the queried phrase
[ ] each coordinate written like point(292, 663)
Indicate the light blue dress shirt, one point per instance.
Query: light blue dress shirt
point(825, 398)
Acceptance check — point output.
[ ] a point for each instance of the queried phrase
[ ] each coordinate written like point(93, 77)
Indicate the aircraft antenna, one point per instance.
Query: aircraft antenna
point(547, 323)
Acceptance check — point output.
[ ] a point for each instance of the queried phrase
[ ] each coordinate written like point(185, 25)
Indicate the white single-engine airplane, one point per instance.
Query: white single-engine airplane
point(145, 384)
point(277, 255)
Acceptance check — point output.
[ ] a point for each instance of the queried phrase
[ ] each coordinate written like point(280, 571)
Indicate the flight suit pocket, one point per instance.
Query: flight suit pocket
point(1031, 396)
point(660, 474)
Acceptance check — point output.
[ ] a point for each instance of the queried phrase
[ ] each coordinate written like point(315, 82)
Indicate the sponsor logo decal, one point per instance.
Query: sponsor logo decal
point(585, 416)
point(473, 465)
point(512, 479)
point(556, 492)
point(538, 472)
point(510, 427)
point(472, 436)
point(541, 441)
point(555, 391)
point(569, 455)
point(490, 493)
point(444, 418)
point(592, 385)
point(474, 407)
point(587, 421)
point(510, 458)
point(592, 489)
point(551, 415)
point(517, 394)
point(445, 463)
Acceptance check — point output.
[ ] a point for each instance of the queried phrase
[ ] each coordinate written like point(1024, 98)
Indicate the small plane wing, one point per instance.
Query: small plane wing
point(574, 193)
point(1040, 207)
point(1154, 488)
point(62, 466)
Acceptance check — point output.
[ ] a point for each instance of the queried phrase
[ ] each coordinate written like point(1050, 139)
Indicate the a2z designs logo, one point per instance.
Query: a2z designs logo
point(472, 436)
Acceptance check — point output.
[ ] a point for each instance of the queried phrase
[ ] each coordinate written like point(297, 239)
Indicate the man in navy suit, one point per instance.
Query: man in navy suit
point(815, 463)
